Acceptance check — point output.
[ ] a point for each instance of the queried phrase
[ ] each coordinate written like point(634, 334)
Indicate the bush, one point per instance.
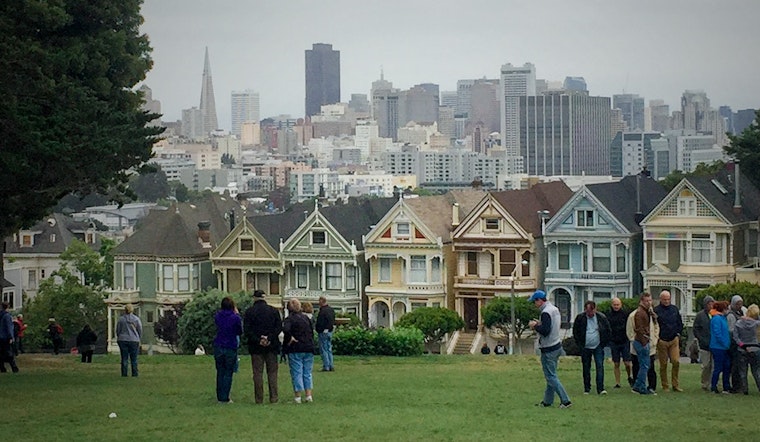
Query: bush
point(629, 304)
point(433, 322)
point(497, 314)
point(359, 341)
point(750, 293)
point(196, 323)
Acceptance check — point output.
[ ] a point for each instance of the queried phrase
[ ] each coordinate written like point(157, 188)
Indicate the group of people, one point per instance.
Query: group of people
point(727, 336)
point(262, 325)
point(498, 349)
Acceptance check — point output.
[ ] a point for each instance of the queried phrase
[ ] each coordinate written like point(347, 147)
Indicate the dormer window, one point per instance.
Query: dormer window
point(26, 240)
point(584, 218)
point(52, 237)
point(687, 206)
point(402, 229)
point(246, 245)
point(492, 224)
point(318, 238)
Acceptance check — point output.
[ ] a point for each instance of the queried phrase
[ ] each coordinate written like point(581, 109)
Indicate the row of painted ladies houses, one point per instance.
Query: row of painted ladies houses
point(381, 258)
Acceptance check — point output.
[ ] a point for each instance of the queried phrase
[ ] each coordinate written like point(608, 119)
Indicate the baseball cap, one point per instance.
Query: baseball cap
point(538, 294)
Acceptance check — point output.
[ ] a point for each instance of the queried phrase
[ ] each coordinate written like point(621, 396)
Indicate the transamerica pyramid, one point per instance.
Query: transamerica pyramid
point(208, 103)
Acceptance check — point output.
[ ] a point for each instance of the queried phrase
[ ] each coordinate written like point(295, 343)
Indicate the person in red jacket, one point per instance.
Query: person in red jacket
point(19, 327)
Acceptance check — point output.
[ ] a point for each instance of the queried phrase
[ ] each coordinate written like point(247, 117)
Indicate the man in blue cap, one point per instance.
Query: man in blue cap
point(550, 345)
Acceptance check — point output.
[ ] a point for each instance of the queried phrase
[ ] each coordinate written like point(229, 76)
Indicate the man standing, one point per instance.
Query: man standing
point(549, 343)
point(735, 312)
point(6, 340)
point(591, 331)
point(55, 333)
point(262, 326)
point(702, 335)
point(669, 345)
point(619, 343)
point(641, 337)
point(18, 323)
point(325, 326)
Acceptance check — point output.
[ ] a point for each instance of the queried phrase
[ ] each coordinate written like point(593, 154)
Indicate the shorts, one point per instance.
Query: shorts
point(621, 350)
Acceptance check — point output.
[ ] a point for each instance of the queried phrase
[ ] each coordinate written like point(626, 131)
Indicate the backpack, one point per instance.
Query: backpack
point(59, 329)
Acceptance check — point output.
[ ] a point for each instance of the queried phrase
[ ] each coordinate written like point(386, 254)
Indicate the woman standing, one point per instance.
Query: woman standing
point(745, 334)
point(720, 341)
point(86, 343)
point(229, 327)
point(299, 345)
point(128, 336)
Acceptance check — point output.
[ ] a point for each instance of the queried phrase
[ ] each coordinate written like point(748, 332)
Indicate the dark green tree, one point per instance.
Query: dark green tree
point(89, 262)
point(196, 323)
point(745, 147)
point(749, 291)
point(71, 118)
point(498, 314)
point(702, 169)
point(151, 186)
point(433, 322)
point(167, 329)
point(181, 192)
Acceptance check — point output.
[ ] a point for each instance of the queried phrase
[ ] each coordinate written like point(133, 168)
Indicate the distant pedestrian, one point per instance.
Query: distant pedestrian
point(86, 343)
point(550, 345)
point(669, 344)
point(128, 336)
point(299, 344)
point(591, 332)
point(720, 342)
point(6, 340)
point(229, 327)
point(20, 327)
point(735, 312)
point(642, 336)
point(262, 325)
point(55, 334)
point(620, 345)
point(702, 336)
point(745, 335)
point(325, 326)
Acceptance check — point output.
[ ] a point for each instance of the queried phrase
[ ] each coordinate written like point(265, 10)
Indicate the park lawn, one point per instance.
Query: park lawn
point(430, 397)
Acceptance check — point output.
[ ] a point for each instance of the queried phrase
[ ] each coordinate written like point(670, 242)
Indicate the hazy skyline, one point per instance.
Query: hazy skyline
point(652, 48)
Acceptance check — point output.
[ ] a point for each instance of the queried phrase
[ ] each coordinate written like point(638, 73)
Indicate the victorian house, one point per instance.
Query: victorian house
point(594, 243)
point(700, 234)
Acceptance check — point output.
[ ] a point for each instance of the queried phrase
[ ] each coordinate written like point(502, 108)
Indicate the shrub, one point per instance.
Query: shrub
point(359, 341)
point(433, 322)
point(629, 304)
point(196, 323)
point(166, 328)
point(750, 293)
point(498, 314)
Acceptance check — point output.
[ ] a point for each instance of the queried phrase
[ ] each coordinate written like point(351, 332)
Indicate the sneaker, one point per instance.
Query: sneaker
point(725, 392)
point(652, 392)
point(298, 400)
point(603, 392)
point(585, 392)
point(309, 399)
point(543, 404)
point(714, 390)
point(567, 404)
point(616, 386)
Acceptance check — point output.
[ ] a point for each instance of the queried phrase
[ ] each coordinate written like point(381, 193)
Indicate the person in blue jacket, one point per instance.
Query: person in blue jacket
point(720, 341)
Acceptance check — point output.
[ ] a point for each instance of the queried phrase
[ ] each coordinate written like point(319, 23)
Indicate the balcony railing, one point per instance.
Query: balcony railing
point(496, 281)
point(123, 296)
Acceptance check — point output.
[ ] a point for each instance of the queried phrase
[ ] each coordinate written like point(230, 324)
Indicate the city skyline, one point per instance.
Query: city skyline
point(662, 51)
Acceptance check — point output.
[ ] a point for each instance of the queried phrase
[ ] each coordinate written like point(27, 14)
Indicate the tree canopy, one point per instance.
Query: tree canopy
point(498, 314)
point(433, 322)
point(745, 147)
point(71, 120)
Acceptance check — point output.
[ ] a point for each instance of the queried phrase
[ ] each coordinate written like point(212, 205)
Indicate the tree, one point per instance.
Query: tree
point(702, 169)
point(70, 119)
point(196, 323)
point(498, 314)
point(167, 329)
point(433, 322)
point(87, 261)
point(151, 186)
point(181, 192)
point(745, 147)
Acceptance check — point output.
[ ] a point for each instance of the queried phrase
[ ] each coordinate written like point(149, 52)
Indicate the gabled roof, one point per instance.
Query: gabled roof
point(436, 211)
point(57, 226)
point(355, 218)
point(525, 204)
point(630, 199)
point(174, 232)
point(280, 226)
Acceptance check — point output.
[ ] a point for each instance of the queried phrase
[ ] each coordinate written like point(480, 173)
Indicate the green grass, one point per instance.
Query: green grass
point(434, 397)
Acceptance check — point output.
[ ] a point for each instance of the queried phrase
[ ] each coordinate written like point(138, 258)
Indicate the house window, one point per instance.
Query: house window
point(318, 238)
point(167, 275)
point(506, 262)
point(492, 224)
point(601, 257)
point(129, 275)
point(525, 268)
point(334, 275)
point(584, 218)
point(246, 244)
point(472, 263)
point(149, 316)
point(402, 229)
point(26, 240)
point(660, 251)
point(90, 238)
point(435, 268)
point(302, 273)
point(602, 296)
point(350, 277)
point(700, 247)
point(418, 269)
point(563, 256)
point(416, 305)
point(196, 276)
point(52, 237)
point(385, 270)
point(584, 257)
point(183, 278)
point(720, 249)
point(620, 258)
point(32, 281)
point(8, 297)
point(687, 206)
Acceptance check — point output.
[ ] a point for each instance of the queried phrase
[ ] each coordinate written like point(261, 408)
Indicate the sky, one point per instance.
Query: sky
point(653, 48)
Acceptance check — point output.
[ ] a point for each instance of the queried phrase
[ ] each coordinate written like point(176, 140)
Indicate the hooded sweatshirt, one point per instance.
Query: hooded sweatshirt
point(745, 332)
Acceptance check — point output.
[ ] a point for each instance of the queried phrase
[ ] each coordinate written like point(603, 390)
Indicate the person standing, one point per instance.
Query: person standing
point(619, 343)
point(701, 332)
point(6, 340)
point(735, 312)
point(720, 342)
point(745, 335)
point(669, 344)
point(18, 323)
point(229, 327)
point(55, 333)
point(262, 326)
point(654, 334)
point(641, 341)
point(299, 345)
point(325, 326)
point(86, 343)
point(128, 336)
point(591, 331)
point(550, 345)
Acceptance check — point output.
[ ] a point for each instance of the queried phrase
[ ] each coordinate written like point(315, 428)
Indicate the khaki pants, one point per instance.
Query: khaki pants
point(706, 361)
point(669, 350)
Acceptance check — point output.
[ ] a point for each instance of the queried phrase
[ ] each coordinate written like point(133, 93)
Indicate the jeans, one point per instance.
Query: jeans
point(721, 364)
point(258, 362)
point(225, 359)
point(669, 350)
point(706, 361)
point(325, 348)
point(300, 370)
point(752, 360)
point(129, 351)
point(549, 362)
point(644, 361)
point(598, 354)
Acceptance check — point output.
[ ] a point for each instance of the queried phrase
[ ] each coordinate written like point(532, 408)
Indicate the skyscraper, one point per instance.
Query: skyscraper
point(694, 110)
point(516, 82)
point(208, 103)
point(632, 107)
point(322, 77)
point(245, 108)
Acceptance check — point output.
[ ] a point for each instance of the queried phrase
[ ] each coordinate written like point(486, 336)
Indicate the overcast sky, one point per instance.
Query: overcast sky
point(653, 48)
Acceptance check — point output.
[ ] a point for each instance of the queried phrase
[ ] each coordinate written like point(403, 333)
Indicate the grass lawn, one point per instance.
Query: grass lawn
point(431, 397)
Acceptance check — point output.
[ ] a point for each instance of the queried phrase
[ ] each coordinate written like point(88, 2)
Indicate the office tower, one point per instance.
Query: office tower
point(385, 110)
point(192, 123)
point(208, 103)
point(419, 104)
point(359, 103)
point(245, 108)
point(565, 134)
point(446, 125)
point(516, 82)
point(150, 105)
point(322, 77)
point(577, 84)
point(631, 152)
point(449, 99)
point(617, 123)
point(484, 106)
point(632, 107)
point(660, 115)
point(694, 107)
point(743, 119)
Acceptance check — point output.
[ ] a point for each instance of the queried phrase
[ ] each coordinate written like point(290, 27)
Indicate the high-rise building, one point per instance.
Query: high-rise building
point(577, 84)
point(192, 123)
point(208, 103)
point(516, 82)
point(385, 110)
point(245, 108)
point(659, 113)
point(743, 119)
point(632, 107)
point(419, 104)
point(631, 153)
point(694, 108)
point(449, 99)
point(322, 77)
point(359, 104)
point(484, 106)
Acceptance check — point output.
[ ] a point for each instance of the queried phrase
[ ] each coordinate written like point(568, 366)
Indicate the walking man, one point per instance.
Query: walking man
point(669, 345)
point(550, 345)
point(702, 335)
point(641, 338)
point(619, 343)
point(591, 331)
point(262, 326)
point(325, 326)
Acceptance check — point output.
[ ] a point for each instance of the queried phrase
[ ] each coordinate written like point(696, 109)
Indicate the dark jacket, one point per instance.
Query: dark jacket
point(261, 319)
point(325, 319)
point(579, 329)
point(228, 328)
point(670, 322)
point(618, 320)
point(86, 339)
point(702, 329)
point(298, 326)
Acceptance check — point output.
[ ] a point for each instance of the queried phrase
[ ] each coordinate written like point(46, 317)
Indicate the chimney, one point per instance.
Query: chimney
point(204, 234)
point(455, 214)
point(232, 219)
point(737, 196)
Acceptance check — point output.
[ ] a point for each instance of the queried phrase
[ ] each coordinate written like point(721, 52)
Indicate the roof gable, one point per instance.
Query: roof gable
point(525, 205)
